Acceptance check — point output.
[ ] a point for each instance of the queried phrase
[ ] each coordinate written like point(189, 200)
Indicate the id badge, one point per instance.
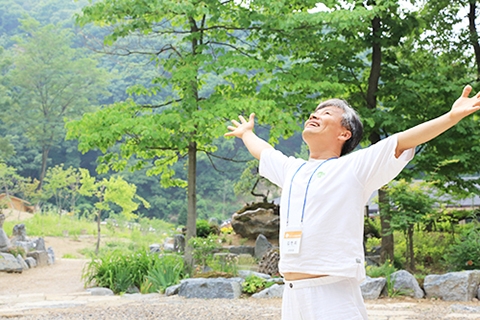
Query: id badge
point(291, 241)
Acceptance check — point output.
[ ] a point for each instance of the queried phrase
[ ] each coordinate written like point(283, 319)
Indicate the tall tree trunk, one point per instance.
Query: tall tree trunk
point(192, 201)
point(192, 157)
point(373, 80)
point(386, 253)
point(411, 254)
point(43, 169)
point(99, 220)
point(474, 34)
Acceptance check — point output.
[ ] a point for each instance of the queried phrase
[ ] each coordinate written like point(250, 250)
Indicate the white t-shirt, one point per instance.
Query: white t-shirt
point(332, 225)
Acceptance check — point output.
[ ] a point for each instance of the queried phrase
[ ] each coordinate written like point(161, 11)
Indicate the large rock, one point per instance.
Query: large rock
point(453, 286)
point(262, 245)
point(4, 241)
point(19, 233)
point(215, 288)
point(372, 287)
point(242, 250)
point(269, 262)
point(275, 291)
point(8, 263)
point(251, 223)
point(406, 283)
point(41, 257)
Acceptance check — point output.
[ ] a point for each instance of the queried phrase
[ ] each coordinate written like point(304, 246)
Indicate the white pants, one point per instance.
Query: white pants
point(324, 298)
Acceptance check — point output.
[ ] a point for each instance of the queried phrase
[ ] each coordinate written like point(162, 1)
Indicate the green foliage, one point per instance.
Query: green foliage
point(464, 253)
point(15, 251)
point(382, 271)
point(203, 248)
point(119, 271)
point(204, 229)
point(167, 271)
point(254, 284)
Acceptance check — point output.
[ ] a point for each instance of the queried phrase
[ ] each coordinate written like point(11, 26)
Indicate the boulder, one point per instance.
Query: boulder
point(172, 290)
point(372, 287)
point(275, 291)
point(453, 286)
point(8, 263)
point(31, 262)
point(406, 283)
point(22, 262)
point(154, 248)
point(245, 273)
point(98, 291)
point(269, 262)
point(214, 288)
point(179, 243)
point(262, 245)
point(251, 223)
point(41, 257)
point(242, 250)
point(4, 241)
point(19, 233)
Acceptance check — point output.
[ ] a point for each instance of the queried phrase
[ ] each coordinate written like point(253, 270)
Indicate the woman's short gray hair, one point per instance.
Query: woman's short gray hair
point(350, 120)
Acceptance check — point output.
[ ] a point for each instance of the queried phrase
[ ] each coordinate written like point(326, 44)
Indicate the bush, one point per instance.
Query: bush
point(464, 254)
point(204, 229)
point(203, 248)
point(254, 284)
point(120, 271)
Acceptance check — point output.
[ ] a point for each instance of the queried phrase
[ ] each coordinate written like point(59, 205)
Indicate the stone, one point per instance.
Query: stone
point(214, 288)
point(245, 273)
point(172, 290)
point(179, 243)
point(22, 262)
point(51, 255)
point(154, 248)
point(40, 244)
point(269, 262)
point(478, 292)
point(372, 287)
point(406, 283)
point(262, 245)
point(4, 241)
point(41, 257)
point(8, 263)
point(251, 223)
point(275, 291)
point(453, 286)
point(98, 291)
point(31, 262)
point(168, 244)
point(242, 250)
point(20, 233)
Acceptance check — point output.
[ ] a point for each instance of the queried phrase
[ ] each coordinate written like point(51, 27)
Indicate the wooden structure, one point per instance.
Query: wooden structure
point(12, 202)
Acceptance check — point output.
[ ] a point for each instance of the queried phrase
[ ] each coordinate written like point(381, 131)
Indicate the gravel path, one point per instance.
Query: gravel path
point(56, 292)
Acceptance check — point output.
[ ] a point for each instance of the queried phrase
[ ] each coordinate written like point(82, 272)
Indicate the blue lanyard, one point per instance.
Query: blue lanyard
point(306, 190)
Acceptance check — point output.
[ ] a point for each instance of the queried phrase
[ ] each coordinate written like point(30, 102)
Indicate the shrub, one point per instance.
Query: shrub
point(167, 271)
point(254, 284)
point(203, 228)
point(203, 248)
point(119, 271)
point(464, 253)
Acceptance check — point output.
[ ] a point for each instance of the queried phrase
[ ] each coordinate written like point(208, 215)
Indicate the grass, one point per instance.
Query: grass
point(119, 235)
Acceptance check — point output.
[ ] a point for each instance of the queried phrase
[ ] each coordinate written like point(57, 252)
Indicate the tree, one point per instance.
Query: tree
point(204, 55)
point(110, 191)
point(409, 205)
point(49, 81)
point(63, 185)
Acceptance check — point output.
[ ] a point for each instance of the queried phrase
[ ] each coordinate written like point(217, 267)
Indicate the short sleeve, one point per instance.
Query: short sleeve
point(274, 165)
point(377, 164)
